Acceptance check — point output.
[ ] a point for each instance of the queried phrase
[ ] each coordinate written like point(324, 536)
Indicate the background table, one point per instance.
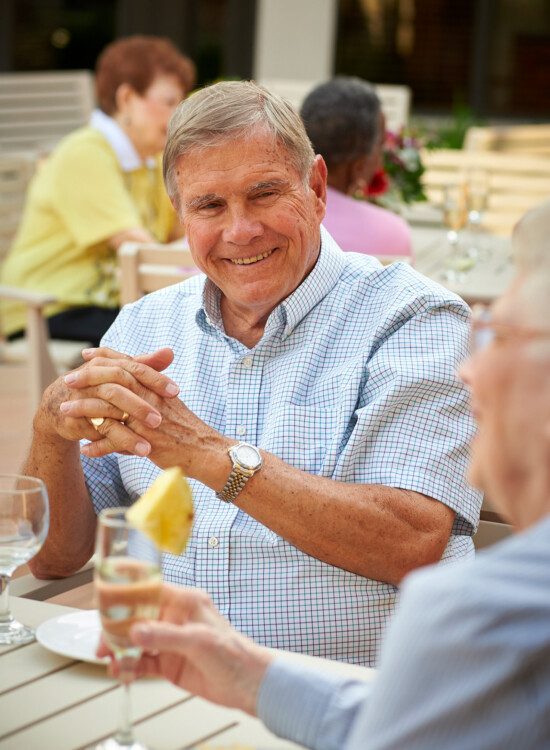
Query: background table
point(483, 283)
point(49, 702)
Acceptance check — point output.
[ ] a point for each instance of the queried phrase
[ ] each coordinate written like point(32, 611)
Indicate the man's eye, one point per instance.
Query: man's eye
point(265, 194)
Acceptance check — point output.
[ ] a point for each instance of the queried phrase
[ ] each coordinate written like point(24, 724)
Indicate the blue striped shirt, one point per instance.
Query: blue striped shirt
point(353, 379)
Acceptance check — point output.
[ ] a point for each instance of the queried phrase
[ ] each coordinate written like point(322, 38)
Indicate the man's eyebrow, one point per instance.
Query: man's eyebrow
point(201, 200)
point(267, 185)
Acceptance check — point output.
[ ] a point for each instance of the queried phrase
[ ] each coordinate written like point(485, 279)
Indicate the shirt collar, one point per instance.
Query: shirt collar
point(315, 287)
point(125, 151)
point(321, 279)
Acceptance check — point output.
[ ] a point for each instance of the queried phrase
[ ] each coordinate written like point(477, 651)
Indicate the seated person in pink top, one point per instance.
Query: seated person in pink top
point(345, 124)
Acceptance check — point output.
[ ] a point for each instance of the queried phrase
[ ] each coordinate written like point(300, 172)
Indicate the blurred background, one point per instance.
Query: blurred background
point(479, 59)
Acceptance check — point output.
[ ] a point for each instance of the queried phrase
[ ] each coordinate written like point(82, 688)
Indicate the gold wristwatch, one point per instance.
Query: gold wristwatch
point(247, 461)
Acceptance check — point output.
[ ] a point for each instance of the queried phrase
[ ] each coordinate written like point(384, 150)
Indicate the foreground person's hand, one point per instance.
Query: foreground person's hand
point(194, 647)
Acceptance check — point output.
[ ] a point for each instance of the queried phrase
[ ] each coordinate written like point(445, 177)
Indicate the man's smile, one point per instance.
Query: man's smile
point(251, 259)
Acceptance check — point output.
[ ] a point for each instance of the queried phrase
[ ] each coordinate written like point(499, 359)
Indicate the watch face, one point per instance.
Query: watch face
point(248, 456)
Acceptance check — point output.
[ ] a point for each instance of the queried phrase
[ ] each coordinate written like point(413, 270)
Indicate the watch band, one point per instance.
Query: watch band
point(235, 482)
point(241, 471)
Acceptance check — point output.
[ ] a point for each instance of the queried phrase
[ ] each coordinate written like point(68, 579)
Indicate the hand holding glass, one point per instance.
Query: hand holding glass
point(24, 521)
point(128, 583)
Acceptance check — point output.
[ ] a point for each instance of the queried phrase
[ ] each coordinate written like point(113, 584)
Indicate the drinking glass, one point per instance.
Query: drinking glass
point(477, 197)
point(455, 216)
point(24, 521)
point(127, 585)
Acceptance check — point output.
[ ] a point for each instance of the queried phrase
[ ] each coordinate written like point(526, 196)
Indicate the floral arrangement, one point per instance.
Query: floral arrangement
point(399, 181)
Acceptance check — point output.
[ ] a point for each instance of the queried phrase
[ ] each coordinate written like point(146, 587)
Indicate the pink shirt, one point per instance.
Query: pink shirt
point(361, 227)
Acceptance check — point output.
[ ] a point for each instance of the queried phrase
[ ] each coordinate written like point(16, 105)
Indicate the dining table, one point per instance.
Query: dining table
point(487, 261)
point(52, 700)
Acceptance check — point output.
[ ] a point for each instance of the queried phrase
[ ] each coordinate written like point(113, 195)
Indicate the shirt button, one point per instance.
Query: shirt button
point(241, 429)
point(247, 362)
point(213, 541)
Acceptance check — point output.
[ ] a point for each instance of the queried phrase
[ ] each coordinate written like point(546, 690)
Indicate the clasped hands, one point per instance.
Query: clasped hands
point(116, 386)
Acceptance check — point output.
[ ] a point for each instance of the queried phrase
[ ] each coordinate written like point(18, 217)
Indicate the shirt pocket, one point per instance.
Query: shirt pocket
point(301, 435)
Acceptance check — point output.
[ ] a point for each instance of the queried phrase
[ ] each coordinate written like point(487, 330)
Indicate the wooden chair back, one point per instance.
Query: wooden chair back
point(395, 100)
point(146, 267)
point(514, 183)
point(16, 170)
point(396, 104)
point(39, 108)
point(524, 140)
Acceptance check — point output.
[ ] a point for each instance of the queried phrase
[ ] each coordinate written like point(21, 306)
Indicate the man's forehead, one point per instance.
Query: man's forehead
point(246, 172)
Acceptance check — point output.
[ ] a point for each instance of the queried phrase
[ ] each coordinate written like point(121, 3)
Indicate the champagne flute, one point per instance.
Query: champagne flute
point(455, 216)
point(478, 193)
point(24, 522)
point(128, 584)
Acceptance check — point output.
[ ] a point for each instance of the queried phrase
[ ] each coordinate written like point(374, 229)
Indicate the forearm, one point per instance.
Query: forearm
point(70, 540)
point(375, 531)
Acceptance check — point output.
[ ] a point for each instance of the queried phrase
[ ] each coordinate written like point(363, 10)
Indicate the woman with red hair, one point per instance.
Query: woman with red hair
point(100, 187)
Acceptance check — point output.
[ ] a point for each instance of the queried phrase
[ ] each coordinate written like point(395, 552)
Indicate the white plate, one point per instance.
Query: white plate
point(75, 635)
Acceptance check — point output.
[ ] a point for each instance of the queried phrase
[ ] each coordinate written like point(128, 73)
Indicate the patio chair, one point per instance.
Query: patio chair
point(39, 108)
point(514, 183)
point(146, 267)
point(395, 99)
point(44, 358)
point(525, 140)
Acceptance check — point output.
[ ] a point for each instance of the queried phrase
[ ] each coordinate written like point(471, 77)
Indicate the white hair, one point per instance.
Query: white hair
point(531, 245)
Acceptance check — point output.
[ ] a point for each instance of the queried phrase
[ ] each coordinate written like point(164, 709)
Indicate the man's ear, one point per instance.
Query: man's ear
point(318, 183)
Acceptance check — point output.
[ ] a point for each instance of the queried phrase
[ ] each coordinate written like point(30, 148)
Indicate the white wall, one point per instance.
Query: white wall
point(295, 39)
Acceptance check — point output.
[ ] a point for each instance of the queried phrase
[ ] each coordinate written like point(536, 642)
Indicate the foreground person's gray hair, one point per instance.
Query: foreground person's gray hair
point(531, 245)
point(233, 109)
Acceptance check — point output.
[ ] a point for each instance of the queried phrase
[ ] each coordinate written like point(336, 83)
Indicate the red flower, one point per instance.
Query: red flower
point(378, 185)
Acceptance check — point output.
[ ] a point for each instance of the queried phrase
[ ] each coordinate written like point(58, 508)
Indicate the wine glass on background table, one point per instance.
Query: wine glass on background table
point(128, 582)
point(24, 522)
point(455, 217)
point(477, 198)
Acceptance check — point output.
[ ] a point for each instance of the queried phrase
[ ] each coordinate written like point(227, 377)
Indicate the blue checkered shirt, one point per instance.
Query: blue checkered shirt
point(353, 379)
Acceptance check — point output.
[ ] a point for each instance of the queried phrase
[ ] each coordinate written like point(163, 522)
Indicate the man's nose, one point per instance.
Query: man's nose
point(241, 227)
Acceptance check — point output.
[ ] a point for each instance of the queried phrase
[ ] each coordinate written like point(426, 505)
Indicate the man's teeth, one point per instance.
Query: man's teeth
point(254, 259)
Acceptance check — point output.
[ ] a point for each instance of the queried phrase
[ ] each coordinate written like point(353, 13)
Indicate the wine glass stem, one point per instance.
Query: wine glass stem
point(5, 614)
point(124, 735)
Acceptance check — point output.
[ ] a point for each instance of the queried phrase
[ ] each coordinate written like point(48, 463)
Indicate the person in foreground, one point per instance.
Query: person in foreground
point(345, 124)
point(337, 373)
point(101, 186)
point(466, 661)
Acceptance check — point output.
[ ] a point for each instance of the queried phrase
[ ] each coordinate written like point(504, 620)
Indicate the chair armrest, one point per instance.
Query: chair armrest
point(34, 299)
point(29, 587)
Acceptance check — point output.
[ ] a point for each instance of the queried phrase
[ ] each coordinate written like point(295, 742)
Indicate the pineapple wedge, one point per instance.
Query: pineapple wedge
point(165, 512)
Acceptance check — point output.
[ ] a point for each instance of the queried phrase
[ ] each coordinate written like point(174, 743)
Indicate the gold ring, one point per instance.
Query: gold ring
point(97, 421)
point(124, 417)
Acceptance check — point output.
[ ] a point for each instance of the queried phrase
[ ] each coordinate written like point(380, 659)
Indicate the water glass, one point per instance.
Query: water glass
point(24, 522)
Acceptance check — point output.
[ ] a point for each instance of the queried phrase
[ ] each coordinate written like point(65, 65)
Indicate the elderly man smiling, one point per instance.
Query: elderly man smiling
point(309, 394)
